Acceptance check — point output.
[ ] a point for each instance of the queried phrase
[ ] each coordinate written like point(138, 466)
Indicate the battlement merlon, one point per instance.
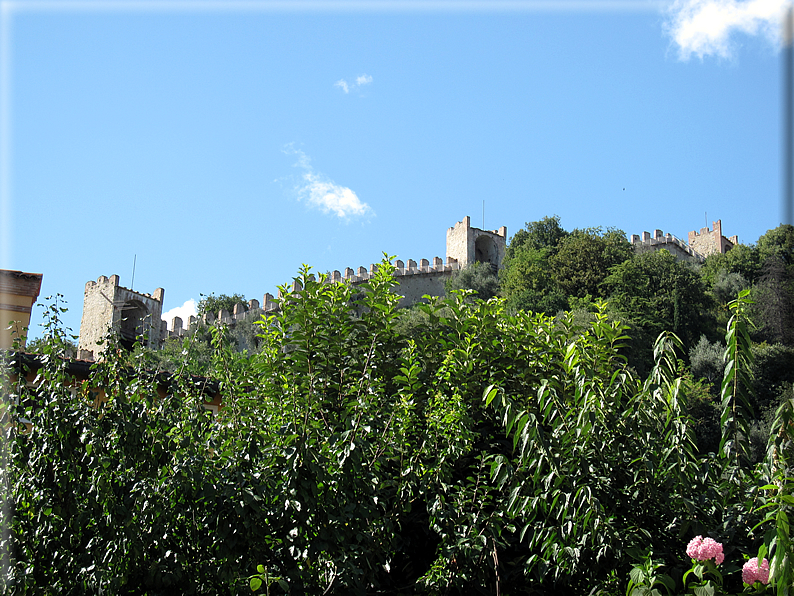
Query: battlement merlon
point(660, 240)
point(113, 281)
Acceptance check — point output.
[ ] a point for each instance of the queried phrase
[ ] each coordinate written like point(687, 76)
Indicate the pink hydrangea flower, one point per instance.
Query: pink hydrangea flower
point(752, 572)
point(702, 549)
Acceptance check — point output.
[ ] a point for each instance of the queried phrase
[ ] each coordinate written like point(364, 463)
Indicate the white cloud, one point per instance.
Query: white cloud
point(706, 27)
point(325, 194)
point(361, 80)
point(331, 197)
point(184, 312)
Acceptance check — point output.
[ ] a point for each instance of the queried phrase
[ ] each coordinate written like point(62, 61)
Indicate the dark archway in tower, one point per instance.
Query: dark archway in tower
point(485, 251)
point(133, 323)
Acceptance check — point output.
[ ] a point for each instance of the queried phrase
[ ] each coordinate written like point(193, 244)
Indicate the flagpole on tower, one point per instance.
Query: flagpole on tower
point(788, 116)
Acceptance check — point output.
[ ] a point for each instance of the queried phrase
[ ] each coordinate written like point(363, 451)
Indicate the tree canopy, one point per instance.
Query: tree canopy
point(214, 304)
point(480, 277)
point(659, 293)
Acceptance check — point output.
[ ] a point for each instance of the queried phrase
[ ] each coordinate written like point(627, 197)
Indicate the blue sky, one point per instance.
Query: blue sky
point(221, 146)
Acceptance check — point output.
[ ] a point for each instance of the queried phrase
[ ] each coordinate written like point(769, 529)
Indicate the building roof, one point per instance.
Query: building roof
point(19, 283)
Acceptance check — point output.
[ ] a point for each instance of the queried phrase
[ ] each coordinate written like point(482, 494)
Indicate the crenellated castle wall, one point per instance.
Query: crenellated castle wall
point(415, 280)
point(134, 315)
point(701, 244)
point(677, 247)
point(465, 245)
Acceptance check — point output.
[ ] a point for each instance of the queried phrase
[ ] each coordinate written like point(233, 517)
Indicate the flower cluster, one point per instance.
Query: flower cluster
point(752, 572)
point(702, 549)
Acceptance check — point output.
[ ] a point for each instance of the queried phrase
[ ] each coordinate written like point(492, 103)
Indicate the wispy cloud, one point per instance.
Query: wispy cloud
point(361, 80)
point(707, 27)
point(323, 193)
point(184, 312)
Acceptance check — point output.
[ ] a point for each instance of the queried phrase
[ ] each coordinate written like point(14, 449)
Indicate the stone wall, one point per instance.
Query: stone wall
point(468, 245)
point(708, 242)
point(679, 249)
point(131, 314)
point(105, 302)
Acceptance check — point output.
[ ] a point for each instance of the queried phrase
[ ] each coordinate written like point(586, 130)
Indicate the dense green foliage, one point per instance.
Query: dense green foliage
point(214, 304)
point(499, 452)
point(659, 293)
point(545, 266)
point(460, 447)
point(480, 277)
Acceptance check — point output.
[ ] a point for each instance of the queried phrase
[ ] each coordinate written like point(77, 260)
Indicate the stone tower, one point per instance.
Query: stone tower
point(107, 305)
point(708, 242)
point(472, 245)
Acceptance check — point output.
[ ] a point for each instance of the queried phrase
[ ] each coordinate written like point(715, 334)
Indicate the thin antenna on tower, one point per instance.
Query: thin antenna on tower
point(788, 117)
point(132, 283)
point(706, 218)
point(483, 214)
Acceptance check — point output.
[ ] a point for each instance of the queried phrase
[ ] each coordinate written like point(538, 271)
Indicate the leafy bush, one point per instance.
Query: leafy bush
point(727, 286)
point(707, 360)
point(480, 277)
point(214, 304)
point(497, 452)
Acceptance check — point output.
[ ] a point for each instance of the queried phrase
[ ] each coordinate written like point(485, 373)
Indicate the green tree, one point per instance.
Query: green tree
point(214, 304)
point(772, 374)
point(707, 360)
point(525, 278)
point(527, 269)
point(543, 234)
point(546, 266)
point(778, 242)
point(773, 297)
point(727, 286)
point(584, 258)
point(480, 277)
point(742, 259)
point(657, 292)
point(527, 283)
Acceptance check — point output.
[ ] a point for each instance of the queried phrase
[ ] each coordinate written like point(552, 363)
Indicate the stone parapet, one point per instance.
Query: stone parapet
point(660, 240)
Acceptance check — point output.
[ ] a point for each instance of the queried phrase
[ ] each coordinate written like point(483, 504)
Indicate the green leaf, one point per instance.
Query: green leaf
point(707, 590)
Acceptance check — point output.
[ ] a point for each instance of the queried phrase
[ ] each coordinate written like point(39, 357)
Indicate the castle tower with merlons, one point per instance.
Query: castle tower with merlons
point(133, 316)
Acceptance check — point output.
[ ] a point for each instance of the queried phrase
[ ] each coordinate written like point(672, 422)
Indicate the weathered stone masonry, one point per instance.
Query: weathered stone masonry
point(131, 314)
point(708, 242)
point(108, 304)
point(701, 244)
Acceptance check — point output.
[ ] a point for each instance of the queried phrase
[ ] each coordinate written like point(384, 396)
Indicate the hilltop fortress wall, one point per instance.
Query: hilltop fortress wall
point(701, 244)
point(108, 305)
